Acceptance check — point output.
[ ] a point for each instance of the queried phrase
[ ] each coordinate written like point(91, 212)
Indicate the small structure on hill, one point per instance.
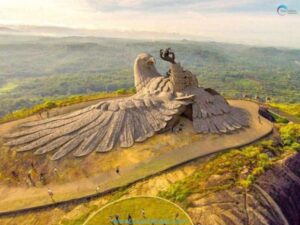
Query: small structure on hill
point(264, 112)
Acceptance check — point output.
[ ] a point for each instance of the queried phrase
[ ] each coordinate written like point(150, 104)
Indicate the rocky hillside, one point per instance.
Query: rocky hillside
point(273, 199)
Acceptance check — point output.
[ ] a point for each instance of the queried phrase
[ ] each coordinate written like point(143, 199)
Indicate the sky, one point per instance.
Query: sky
point(253, 22)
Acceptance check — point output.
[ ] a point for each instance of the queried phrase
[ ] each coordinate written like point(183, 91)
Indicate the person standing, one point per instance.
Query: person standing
point(117, 217)
point(15, 175)
point(259, 119)
point(51, 194)
point(98, 189)
point(56, 171)
point(118, 170)
point(143, 213)
point(130, 221)
point(42, 178)
point(29, 175)
point(176, 218)
point(33, 167)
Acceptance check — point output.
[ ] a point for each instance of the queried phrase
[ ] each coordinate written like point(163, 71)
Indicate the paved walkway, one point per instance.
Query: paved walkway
point(22, 198)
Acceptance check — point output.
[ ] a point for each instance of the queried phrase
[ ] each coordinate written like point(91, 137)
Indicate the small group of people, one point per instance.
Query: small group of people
point(115, 220)
point(32, 176)
point(117, 171)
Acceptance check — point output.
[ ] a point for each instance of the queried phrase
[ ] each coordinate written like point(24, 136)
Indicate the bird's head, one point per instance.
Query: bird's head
point(144, 70)
point(146, 61)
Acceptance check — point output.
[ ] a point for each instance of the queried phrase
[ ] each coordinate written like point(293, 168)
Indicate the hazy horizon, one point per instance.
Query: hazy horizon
point(250, 22)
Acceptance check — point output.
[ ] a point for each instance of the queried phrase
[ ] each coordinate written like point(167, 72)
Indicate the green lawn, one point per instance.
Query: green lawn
point(293, 109)
point(8, 87)
point(157, 211)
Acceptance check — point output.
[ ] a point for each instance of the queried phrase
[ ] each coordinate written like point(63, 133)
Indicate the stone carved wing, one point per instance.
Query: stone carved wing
point(100, 127)
point(212, 114)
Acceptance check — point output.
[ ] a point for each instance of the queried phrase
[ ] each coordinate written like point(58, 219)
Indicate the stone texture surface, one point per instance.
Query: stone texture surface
point(122, 122)
point(203, 145)
point(272, 200)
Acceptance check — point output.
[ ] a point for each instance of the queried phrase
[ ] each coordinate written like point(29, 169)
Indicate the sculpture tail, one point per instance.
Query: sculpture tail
point(213, 114)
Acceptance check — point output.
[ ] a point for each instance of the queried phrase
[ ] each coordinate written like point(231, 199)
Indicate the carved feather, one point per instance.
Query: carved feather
point(122, 122)
point(212, 113)
point(100, 127)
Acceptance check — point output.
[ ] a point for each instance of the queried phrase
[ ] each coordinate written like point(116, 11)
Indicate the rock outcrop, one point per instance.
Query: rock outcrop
point(274, 199)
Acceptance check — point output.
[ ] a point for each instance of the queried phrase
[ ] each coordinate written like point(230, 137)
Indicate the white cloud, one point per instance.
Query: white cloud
point(252, 27)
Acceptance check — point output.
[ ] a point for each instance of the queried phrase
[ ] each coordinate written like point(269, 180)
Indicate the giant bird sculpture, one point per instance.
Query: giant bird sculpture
point(155, 107)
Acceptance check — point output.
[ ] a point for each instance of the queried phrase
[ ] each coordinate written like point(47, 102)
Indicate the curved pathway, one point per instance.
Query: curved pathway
point(34, 198)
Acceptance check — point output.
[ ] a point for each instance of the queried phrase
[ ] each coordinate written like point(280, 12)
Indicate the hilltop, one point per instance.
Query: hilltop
point(252, 189)
point(34, 69)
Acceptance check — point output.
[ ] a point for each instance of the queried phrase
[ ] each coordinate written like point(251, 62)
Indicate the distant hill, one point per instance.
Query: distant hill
point(34, 68)
point(7, 30)
point(56, 31)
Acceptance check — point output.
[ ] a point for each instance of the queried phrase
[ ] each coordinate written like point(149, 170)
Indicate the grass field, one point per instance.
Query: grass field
point(50, 104)
point(8, 87)
point(156, 211)
point(292, 109)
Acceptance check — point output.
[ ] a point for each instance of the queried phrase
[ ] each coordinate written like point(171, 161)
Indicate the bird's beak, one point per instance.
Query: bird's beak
point(151, 61)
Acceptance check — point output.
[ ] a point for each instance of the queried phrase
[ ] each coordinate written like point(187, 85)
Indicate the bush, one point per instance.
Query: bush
point(50, 104)
point(121, 91)
point(177, 192)
point(245, 183)
point(290, 134)
point(258, 171)
point(293, 109)
point(296, 146)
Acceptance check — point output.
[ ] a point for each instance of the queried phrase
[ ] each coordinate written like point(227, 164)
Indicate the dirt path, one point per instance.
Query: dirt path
point(20, 198)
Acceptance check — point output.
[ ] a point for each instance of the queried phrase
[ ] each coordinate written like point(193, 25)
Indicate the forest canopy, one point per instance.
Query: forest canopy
point(35, 69)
